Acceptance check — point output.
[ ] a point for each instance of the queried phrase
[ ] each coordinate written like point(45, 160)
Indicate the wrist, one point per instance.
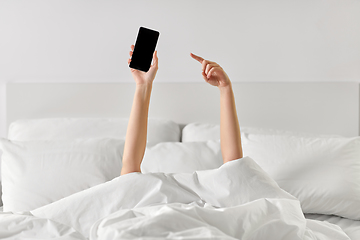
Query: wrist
point(144, 84)
point(143, 90)
point(225, 89)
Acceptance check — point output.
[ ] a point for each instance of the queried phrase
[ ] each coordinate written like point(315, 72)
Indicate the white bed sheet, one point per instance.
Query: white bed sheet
point(244, 203)
point(350, 227)
point(22, 223)
point(236, 201)
point(26, 226)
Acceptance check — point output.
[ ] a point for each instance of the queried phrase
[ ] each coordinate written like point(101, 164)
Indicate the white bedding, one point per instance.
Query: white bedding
point(322, 171)
point(236, 201)
point(26, 226)
point(350, 227)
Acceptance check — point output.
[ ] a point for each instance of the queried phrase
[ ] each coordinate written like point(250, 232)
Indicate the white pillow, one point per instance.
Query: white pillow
point(1, 203)
point(198, 132)
point(159, 130)
point(323, 173)
point(172, 157)
point(72, 128)
point(36, 173)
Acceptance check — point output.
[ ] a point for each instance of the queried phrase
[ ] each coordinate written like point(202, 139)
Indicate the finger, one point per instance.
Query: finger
point(131, 53)
point(155, 59)
point(129, 60)
point(204, 64)
point(132, 47)
point(208, 67)
point(197, 58)
point(204, 76)
point(211, 72)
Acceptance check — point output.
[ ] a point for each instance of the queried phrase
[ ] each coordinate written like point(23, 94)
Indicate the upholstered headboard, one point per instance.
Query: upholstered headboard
point(326, 108)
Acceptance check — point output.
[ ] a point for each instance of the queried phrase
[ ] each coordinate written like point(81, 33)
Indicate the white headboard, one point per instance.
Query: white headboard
point(326, 108)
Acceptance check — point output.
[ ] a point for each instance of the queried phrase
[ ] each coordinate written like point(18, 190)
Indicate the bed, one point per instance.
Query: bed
point(299, 178)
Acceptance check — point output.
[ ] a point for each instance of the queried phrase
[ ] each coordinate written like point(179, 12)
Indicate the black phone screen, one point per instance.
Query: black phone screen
point(144, 48)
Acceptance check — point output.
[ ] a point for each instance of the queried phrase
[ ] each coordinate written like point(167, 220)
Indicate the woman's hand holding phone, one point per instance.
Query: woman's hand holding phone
point(141, 77)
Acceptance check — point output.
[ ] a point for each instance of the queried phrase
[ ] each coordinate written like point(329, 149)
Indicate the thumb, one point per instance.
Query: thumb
point(155, 59)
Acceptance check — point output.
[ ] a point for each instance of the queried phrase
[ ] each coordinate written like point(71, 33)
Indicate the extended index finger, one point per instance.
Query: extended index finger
point(197, 58)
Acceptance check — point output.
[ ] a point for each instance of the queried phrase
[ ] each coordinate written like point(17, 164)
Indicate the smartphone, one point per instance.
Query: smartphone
point(144, 49)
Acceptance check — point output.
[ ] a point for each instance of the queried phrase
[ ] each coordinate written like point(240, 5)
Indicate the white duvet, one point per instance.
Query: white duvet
point(236, 201)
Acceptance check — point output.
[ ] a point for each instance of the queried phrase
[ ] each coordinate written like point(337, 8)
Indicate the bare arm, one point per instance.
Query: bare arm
point(230, 137)
point(135, 141)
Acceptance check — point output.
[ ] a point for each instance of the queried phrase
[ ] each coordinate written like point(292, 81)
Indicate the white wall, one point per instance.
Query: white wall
point(258, 40)
point(2, 110)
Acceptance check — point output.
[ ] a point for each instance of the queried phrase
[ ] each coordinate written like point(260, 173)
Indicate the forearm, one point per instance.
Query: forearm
point(136, 135)
point(230, 138)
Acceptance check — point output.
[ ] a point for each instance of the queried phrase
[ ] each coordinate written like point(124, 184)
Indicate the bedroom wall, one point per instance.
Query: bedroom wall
point(255, 41)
